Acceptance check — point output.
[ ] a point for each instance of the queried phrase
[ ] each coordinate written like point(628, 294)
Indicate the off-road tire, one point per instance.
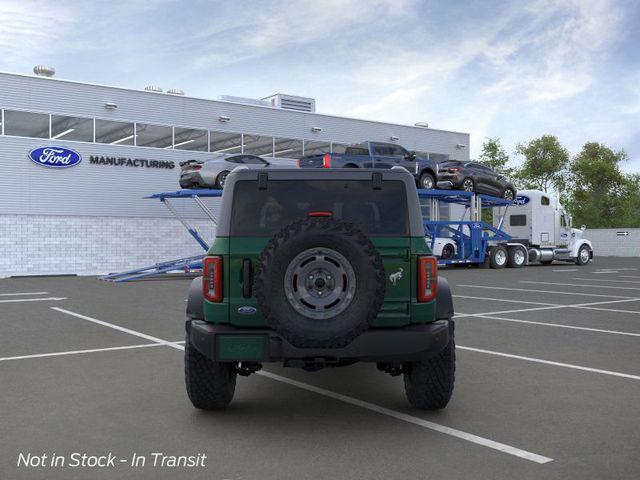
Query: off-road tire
point(429, 384)
point(425, 178)
point(210, 385)
point(495, 256)
point(302, 330)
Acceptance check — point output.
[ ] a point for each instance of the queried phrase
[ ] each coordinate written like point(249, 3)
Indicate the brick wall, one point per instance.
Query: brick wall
point(611, 242)
point(46, 245)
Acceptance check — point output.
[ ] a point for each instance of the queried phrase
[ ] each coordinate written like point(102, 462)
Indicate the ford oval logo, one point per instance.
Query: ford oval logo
point(521, 200)
point(55, 157)
point(247, 310)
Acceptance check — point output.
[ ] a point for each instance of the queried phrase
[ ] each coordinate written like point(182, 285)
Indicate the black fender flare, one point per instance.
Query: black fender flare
point(428, 170)
point(444, 300)
point(195, 299)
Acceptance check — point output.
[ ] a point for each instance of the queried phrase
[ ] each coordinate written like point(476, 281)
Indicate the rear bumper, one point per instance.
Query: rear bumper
point(226, 343)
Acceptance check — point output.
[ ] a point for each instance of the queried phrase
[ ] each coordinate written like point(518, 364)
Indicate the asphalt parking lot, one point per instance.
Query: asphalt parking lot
point(548, 386)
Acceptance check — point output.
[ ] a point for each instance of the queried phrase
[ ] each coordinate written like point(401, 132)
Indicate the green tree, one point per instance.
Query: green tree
point(494, 156)
point(545, 164)
point(600, 194)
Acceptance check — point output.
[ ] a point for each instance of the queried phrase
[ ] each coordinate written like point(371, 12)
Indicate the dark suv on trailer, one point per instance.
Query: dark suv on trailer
point(315, 269)
point(474, 177)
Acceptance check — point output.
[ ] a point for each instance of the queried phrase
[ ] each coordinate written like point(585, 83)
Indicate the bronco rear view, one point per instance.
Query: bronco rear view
point(315, 269)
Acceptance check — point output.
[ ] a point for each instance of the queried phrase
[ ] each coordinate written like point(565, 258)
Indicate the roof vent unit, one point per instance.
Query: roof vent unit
point(175, 91)
point(291, 102)
point(244, 100)
point(43, 71)
point(153, 88)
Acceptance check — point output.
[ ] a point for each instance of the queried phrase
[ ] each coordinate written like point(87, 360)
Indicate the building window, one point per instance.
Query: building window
point(115, 133)
point(71, 128)
point(225, 142)
point(338, 148)
point(190, 139)
point(287, 148)
point(316, 148)
point(26, 124)
point(157, 136)
point(257, 145)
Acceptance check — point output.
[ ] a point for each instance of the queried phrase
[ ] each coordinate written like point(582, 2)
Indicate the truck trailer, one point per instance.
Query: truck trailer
point(533, 228)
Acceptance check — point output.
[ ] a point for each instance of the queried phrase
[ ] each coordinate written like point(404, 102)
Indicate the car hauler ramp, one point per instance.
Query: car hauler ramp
point(186, 264)
point(473, 238)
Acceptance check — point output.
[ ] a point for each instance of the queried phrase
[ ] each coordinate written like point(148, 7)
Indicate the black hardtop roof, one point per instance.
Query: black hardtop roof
point(373, 175)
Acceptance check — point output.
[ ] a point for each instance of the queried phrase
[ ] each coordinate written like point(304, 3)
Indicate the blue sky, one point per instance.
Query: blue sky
point(515, 69)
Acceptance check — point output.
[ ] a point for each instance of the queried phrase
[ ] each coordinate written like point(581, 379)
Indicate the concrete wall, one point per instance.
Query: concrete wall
point(53, 244)
point(612, 242)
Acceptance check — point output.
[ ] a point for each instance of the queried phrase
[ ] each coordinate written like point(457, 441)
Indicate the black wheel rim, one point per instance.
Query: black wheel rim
point(320, 283)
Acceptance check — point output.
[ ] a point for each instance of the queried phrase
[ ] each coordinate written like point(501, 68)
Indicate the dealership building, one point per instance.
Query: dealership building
point(91, 217)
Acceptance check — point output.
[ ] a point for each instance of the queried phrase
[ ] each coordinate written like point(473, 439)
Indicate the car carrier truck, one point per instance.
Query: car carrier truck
point(533, 228)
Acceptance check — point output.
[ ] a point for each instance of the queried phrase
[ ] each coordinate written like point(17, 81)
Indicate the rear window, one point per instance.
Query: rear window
point(258, 213)
point(357, 151)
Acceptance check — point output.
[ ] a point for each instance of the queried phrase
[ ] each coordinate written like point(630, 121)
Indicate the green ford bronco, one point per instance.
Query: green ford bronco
point(315, 269)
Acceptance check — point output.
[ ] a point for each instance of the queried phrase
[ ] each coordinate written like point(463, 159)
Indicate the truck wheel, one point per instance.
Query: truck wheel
point(320, 283)
point(210, 385)
point(584, 255)
point(427, 181)
point(499, 257)
point(429, 384)
point(517, 257)
point(221, 179)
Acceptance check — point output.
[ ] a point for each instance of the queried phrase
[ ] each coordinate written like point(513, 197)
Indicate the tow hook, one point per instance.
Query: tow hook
point(244, 369)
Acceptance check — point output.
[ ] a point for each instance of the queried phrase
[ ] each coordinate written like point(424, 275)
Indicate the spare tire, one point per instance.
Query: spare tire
point(320, 283)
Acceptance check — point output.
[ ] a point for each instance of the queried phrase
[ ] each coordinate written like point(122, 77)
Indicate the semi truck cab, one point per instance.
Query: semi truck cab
point(538, 221)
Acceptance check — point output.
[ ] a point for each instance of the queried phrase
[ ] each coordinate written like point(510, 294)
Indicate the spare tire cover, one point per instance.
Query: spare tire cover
point(320, 283)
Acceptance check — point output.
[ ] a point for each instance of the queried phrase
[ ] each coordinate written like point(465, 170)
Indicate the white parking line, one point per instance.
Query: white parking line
point(605, 280)
point(588, 306)
point(343, 398)
point(629, 276)
point(507, 300)
point(27, 293)
point(544, 291)
point(548, 362)
point(76, 352)
point(119, 328)
point(48, 299)
point(580, 285)
point(566, 270)
point(485, 442)
point(559, 325)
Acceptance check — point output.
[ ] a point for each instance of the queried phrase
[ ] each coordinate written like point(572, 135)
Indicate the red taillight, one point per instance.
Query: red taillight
point(298, 162)
point(427, 278)
point(326, 160)
point(212, 279)
point(320, 214)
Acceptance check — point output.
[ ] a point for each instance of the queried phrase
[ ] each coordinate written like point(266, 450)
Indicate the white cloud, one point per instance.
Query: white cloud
point(29, 30)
